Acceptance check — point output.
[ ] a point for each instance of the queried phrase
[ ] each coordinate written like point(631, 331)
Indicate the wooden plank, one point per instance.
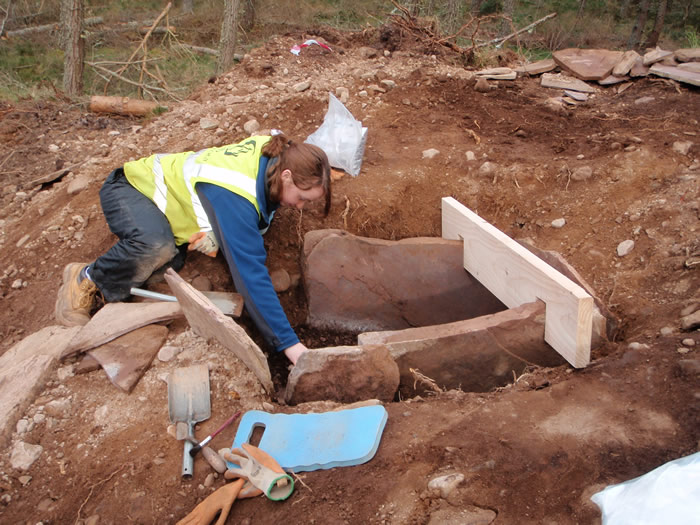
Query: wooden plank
point(516, 276)
point(209, 322)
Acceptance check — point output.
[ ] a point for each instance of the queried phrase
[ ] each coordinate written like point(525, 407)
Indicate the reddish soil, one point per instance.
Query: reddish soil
point(532, 452)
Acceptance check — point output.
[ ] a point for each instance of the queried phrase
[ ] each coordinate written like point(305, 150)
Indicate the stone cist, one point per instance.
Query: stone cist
point(162, 206)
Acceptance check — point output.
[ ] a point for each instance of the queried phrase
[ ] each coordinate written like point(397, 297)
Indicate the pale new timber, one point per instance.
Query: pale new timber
point(516, 276)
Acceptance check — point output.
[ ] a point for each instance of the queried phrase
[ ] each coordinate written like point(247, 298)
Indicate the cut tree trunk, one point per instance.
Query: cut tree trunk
point(121, 105)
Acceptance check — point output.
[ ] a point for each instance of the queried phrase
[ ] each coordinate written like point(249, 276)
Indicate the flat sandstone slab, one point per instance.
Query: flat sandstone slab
point(24, 370)
point(588, 64)
point(361, 284)
point(345, 374)
point(475, 355)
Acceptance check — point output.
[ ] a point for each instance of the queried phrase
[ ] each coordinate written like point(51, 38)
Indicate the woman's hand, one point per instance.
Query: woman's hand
point(294, 351)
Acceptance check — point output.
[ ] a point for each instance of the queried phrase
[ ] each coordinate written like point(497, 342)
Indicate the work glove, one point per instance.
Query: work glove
point(204, 242)
point(218, 501)
point(261, 470)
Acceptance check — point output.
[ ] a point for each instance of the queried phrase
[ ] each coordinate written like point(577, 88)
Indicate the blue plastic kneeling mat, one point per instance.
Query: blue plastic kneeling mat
point(305, 442)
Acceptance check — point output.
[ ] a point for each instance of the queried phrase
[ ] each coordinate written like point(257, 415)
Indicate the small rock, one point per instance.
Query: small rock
point(281, 281)
point(167, 353)
point(482, 85)
point(430, 153)
point(39, 418)
point(209, 480)
point(267, 407)
point(487, 168)
point(625, 247)
point(301, 86)
point(53, 148)
point(666, 331)
point(682, 147)
point(22, 240)
point(682, 350)
point(251, 127)
point(93, 520)
point(558, 223)
point(65, 372)
point(470, 156)
point(24, 480)
point(644, 100)
point(202, 283)
point(691, 322)
point(17, 284)
point(343, 94)
point(445, 484)
point(582, 173)
point(214, 459)
point(24, 455)
point(22, 426)
point(388, 84)
point(638, 346)
point(208, 123)
point(688, 342)
point(77, 185)
point(58, 408)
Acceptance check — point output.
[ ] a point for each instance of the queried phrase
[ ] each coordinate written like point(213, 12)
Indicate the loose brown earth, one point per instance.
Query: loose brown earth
point(532, 452)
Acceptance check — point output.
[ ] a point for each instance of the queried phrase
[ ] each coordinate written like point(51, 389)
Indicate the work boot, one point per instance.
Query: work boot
point(75, 297)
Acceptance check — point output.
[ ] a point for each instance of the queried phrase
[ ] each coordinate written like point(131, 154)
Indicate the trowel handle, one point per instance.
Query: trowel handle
point(187, 459)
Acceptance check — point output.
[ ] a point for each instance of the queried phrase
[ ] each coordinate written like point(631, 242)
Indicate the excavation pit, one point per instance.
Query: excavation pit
point(441, 326)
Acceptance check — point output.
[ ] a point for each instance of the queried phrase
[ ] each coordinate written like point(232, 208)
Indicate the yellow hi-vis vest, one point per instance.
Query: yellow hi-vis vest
point(169, 181)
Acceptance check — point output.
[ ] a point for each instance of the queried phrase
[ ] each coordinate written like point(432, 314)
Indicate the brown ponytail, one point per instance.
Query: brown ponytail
point(308, 164)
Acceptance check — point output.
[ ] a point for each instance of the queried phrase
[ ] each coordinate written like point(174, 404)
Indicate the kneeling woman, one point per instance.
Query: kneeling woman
point(164, 205)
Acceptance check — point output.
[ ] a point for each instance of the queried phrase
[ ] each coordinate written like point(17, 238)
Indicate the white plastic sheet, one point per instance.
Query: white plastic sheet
point(669, 494)
point(341, 136)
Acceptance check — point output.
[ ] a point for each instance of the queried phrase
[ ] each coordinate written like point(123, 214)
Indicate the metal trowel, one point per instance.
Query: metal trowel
point(188, 403)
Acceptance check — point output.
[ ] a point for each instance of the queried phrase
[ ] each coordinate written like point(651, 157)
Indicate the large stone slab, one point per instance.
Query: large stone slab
point(475, 355)
point(687, 54)
point(115, 319)
point(359, 284)
point(535, 68)
point(24, 370)
point(558, 81)
point(676, 73)
point(126, 358)
point(587, 64)
point(604, 323)
point(346, 374)
point(209, 322)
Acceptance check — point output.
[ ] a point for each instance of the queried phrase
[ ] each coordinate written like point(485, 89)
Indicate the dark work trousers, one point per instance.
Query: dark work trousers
point(146, 243)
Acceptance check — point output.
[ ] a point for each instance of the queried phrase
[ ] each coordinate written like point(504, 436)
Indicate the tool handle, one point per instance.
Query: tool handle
point(153, 295)
point(187, 459)
point(226, 423)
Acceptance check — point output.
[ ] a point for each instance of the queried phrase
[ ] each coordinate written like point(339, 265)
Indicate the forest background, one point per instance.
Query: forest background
point(65, 49)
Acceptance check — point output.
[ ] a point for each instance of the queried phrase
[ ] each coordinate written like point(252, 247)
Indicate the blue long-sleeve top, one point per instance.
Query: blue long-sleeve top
point(239, 230)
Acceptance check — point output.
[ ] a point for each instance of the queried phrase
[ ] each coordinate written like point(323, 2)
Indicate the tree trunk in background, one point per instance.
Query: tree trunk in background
point(187, 6)
point(227, 44)
point(508, 9)
point(653, 37)
point(640, 22)
point(475, 7)
point(248, 16)
point(73, 46)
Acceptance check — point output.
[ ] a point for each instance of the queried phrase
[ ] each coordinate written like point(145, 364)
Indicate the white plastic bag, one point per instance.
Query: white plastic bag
point(341, 136)
point(667, 494)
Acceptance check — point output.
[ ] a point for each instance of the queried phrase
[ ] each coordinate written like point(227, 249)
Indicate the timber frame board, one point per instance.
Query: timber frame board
point(516, 276)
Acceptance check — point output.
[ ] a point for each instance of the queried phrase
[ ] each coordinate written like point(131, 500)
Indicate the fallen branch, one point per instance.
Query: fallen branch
point(430, 383)
point(27, 31)
point(198, 49)
point(7, 15)
point(52, 176)
point(500, 41)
